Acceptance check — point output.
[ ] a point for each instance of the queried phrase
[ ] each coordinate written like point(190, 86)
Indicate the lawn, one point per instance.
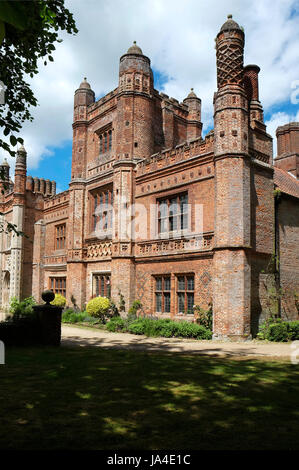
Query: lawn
point(88, 398)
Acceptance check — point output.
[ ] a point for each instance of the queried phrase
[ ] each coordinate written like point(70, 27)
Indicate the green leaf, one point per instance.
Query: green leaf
point(2, 31)
point(14, 13)
point(13, 140)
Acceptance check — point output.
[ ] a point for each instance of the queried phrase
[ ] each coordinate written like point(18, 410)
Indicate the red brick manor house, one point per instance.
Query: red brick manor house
point(157, 212)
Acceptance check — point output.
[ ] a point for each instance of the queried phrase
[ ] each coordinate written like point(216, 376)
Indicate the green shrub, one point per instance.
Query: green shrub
point(193, 330)
point(99, 308)
point(22, 327)
point(89, 319)
point(69, 316)
point(168, 328)
point(69, 311)
point(77, 317)
point(59, 301)
point(122, 303)
point(137, 327)
point(23, 308)
point(113, 311)
point(275, 329)
point(65, 317)
point(293, 327)
point(116, 324)
point(277, 332)
point(204, 317)
point(136, 305)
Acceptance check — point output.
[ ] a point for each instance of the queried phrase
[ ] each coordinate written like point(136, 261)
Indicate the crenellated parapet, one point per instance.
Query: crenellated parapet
point(41, 186)
point(180, 153)
point(58, 199)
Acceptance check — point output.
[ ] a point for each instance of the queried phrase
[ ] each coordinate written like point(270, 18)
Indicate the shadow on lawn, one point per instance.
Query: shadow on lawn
point(87, 398)
point(141, 343)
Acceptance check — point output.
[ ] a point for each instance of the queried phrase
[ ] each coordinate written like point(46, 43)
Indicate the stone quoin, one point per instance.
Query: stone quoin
point(158, 213)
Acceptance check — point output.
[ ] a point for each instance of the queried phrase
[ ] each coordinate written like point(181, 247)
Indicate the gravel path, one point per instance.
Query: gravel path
point(82, 337)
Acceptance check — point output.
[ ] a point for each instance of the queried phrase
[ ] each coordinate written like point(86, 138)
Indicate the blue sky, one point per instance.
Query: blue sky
point(178, 37)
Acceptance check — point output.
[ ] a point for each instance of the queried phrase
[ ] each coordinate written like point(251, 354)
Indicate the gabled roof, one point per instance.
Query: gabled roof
point(285, 182)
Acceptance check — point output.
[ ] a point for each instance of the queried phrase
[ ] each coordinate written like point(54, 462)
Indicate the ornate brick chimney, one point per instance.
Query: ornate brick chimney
point(288, 148)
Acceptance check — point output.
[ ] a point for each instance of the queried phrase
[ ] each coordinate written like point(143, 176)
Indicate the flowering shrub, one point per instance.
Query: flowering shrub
point(59, 301)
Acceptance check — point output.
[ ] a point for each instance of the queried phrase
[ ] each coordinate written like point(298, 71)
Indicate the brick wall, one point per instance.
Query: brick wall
point(145, 281)
point(288, 212)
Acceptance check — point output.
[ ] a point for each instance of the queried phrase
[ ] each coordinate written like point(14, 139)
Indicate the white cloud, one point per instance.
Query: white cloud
point(178, 37)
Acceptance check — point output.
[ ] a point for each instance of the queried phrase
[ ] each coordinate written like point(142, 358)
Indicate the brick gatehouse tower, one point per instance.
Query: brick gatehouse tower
point(158, 213)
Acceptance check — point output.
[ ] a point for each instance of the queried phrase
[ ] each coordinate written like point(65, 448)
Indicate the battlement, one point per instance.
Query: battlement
point(99, 165)
point(184, 151)
point(39, 185)
point(104, 99)
point(171, 101)
point(57, 199)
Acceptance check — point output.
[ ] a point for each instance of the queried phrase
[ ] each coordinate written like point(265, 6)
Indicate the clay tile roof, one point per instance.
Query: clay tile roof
point(285, 182)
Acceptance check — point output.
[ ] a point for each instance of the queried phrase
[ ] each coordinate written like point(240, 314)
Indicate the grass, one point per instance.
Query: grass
point(88, 398)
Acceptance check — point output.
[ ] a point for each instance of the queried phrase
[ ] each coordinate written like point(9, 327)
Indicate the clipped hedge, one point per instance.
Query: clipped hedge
point(162, 327)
